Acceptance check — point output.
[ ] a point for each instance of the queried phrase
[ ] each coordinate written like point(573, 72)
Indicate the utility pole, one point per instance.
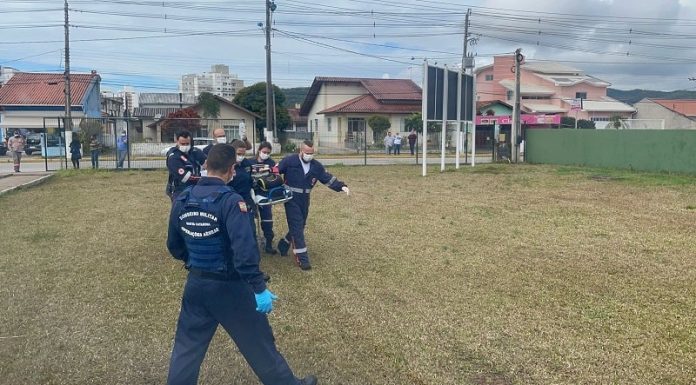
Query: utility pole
point(516, 126)
point(68, 98)
point(270, 98)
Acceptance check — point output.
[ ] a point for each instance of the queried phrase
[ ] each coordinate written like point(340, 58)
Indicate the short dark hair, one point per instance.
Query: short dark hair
point(308, 143)
point(265, 144)
point(236, 144)
point(221, 157)
point(183, 134)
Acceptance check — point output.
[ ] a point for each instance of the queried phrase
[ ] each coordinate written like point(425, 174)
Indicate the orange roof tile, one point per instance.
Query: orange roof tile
point(683, 106)
point(44, 89)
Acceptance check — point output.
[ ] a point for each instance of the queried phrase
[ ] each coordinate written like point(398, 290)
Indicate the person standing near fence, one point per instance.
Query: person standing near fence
point(388, 143)
point(121, 149)
point(397, 144)
point(16, 146)
point(266, 212)
point(225, 285)
point(75, 150)
point(94, 149)
point(301, 173)
point(412, 137)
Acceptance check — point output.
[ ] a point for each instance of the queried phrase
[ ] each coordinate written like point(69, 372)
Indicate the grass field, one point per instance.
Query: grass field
point(495, 275)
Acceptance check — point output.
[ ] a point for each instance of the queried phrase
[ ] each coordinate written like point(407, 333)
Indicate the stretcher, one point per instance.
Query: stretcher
point(269, 187)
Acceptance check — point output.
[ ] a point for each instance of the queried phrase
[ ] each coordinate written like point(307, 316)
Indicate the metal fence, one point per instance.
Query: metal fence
point(130, 143)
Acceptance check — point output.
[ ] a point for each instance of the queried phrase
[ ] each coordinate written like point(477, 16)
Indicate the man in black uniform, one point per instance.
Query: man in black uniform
point(209, 231)
point(184, 167)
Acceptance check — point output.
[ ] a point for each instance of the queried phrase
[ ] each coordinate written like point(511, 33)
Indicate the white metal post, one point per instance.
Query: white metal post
point(424, 115)
point(459, 118)
point(473, 121)
point(444, 119)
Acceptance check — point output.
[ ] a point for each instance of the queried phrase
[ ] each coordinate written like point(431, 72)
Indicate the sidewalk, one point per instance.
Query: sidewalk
point(13, 181)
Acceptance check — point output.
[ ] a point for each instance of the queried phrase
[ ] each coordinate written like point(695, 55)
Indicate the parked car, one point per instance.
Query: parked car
point(199, 143)
point(33, 144)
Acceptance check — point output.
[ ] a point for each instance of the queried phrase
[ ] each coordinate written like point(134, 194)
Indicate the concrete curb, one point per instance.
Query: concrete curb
point(27, 184)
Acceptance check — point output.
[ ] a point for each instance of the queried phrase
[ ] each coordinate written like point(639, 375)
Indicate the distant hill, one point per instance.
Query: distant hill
point(294, 95)
point(634, 96)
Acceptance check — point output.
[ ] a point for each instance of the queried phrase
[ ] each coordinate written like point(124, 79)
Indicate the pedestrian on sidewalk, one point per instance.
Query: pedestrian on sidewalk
point(397, 144)
point(388, 143)
point(75, 151)
point(95, 150)
point(16, 146)
point(412, 137)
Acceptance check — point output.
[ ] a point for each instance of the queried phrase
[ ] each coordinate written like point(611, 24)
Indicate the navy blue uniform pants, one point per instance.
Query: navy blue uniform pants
point(207, 303)
point(266, 215)
point(296, 211)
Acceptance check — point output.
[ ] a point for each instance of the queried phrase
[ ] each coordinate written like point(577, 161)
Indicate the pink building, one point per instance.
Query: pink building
point(549, 88)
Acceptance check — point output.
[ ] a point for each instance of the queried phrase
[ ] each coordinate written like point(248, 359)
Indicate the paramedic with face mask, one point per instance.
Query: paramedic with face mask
point(183, 170)
point(301, 173)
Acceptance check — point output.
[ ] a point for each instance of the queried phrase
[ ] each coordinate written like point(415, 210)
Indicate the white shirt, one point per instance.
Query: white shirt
point(305, 166)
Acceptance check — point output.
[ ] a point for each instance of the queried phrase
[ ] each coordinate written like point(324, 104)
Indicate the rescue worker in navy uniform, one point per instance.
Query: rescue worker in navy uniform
point(301, 174)
point(220, 137)
point(266, 212)
point(242, 182)
point(183, 165)
point(209, 232)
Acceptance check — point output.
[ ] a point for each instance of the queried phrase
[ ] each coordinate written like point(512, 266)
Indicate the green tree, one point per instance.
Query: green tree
point(414, 122)
point(379, 125)
point(567, 122)
point(253, 98)
point(586, 124)
point(186, 119)
point(89, 127)
point(209, 104)
point(615, 122)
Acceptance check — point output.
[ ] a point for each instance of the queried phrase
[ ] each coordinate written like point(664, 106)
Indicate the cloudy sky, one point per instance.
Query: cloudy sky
point(149, 44)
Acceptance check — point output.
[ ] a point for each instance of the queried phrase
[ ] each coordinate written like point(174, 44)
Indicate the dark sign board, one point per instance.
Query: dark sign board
point(436, 89)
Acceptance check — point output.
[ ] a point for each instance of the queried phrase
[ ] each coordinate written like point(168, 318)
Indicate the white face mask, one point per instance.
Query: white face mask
point(240, 158)
point(264, 156)
point(307, 157)
point(221, 140)
point(184, 149)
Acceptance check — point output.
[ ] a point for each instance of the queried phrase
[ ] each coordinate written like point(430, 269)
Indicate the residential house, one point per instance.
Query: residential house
point(338, 108)
point(550, 88)
point(35, 102)
point(666, 113)
point(231, 118)
point(298, 123)
point(155, 106)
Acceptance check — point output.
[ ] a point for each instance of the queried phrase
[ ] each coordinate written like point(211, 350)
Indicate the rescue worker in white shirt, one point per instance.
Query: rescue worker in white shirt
point(184, 170)
point(301, 173)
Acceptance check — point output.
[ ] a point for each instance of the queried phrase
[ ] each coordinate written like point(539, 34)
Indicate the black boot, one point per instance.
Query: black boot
point(283, 247)
point(269, 249)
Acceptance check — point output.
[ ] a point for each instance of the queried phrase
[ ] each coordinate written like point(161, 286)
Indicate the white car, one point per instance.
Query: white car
point(199, 143)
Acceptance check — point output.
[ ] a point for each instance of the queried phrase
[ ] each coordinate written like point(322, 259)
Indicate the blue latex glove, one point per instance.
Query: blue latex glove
point(264, 301)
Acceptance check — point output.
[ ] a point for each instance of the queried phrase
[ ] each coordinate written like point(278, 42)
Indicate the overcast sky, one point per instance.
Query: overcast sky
point(149, 44)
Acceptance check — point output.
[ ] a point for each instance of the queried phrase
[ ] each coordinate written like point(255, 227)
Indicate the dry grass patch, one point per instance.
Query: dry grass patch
point(494, 275)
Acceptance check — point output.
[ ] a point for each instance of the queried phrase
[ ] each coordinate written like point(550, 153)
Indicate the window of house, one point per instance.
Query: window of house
point(328, 124)
point(231, 130)
point(489, 78)
point(316, 124)
point(510, 94)
point(356, 129)
point(581, 95)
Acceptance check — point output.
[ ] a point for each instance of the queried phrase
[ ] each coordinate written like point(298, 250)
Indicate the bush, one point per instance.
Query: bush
point(289, 147)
